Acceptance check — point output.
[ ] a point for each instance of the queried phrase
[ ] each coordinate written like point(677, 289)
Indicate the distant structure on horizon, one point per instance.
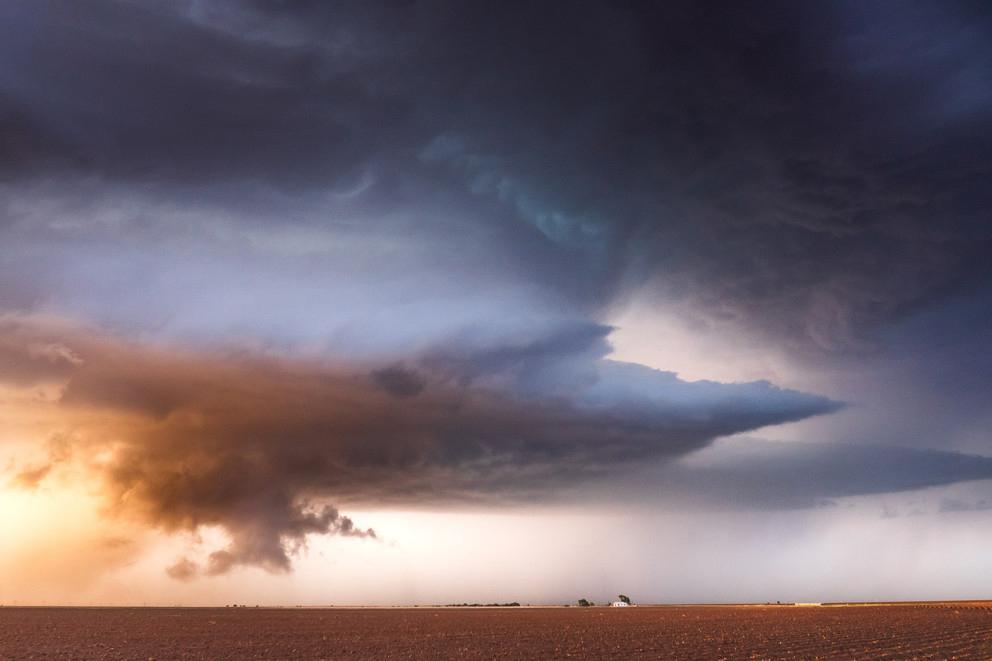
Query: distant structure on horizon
point(621, 602)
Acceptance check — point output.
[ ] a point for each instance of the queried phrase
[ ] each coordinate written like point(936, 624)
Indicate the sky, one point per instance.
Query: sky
point(388, 303)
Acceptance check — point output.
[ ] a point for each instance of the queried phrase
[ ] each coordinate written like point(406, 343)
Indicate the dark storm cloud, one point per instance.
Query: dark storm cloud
point(131, 91)
point(254, 444)
point(25, 147)
point(804, 171)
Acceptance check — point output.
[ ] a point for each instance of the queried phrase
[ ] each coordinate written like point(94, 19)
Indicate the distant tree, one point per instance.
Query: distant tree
point(585, 603)
point(624, 598)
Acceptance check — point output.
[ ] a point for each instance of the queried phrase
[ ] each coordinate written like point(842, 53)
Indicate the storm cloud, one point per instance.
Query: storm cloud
point(261, 260)
point(257, 444)
point(796, 171)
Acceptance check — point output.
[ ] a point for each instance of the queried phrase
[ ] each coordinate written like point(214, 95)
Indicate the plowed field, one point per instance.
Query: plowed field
point(934, 631)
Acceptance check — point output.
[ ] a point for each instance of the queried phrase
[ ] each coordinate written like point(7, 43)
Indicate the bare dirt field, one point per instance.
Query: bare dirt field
point(931, 631)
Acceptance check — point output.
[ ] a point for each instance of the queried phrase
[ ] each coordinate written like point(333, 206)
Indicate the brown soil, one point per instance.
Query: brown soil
point(934, 631)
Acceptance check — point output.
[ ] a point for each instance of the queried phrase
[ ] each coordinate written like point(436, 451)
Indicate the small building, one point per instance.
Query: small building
point(619, 604)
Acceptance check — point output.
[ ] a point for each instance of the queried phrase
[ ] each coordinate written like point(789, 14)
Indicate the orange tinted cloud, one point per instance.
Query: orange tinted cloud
point(257, 444)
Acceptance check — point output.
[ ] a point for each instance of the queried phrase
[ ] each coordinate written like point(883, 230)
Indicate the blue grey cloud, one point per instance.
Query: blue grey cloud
point(811, 172)
point(750, 473)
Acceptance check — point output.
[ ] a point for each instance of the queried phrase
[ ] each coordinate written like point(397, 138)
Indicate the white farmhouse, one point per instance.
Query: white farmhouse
point(619, 604)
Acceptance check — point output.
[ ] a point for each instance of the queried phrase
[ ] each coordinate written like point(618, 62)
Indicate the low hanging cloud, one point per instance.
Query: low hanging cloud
point(756, 474)
point(255, 544)
point(257, 444)
point(261, 445)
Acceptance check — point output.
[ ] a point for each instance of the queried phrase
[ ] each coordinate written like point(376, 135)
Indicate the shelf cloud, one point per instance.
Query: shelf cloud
point(258, 444)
